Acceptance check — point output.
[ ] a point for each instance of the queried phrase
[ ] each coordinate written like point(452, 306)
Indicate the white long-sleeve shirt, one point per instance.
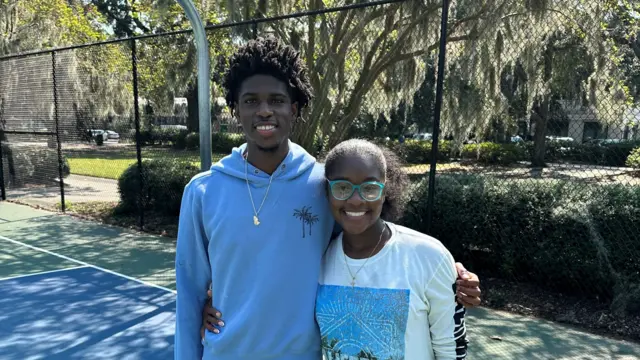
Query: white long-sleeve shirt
point(402, 305)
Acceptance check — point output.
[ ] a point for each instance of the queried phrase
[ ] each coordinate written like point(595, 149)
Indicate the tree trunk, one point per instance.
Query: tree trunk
point(541, 118)
point(193, 120)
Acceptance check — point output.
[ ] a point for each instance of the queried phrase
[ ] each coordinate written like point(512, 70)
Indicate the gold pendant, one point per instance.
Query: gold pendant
point(256, 222)
point(353, 282)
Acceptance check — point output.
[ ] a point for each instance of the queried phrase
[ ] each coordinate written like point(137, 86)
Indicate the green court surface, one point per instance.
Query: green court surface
point(145, 257)
point(11, 212)
point(16, 260)
point(35, 241)
point(502, 335)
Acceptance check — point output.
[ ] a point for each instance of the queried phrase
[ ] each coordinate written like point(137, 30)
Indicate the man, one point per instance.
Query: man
point(257, 223)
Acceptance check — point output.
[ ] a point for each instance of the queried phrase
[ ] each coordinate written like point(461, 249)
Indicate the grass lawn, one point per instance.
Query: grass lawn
point(111, 164)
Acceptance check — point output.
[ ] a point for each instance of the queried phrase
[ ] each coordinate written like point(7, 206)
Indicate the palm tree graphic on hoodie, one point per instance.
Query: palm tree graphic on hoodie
point(306, 217)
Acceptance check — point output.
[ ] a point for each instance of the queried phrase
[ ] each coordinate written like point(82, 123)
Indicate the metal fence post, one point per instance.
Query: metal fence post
point(57, 119)
point(136, 109)
point(204, 82)
point(437, 110)
point(3, 191)
point(254, 26)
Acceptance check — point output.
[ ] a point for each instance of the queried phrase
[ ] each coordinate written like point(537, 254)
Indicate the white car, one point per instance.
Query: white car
point(112, 135)
point(95, 133)
point(423, 136)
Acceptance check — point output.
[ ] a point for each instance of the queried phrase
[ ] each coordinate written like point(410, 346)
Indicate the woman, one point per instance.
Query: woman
point(385, 291)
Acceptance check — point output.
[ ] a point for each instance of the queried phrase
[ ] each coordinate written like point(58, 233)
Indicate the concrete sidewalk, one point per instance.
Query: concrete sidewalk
point(78, 189)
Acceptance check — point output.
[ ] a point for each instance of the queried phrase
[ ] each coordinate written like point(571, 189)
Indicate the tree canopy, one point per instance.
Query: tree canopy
point(507, 60)
point(371, 60)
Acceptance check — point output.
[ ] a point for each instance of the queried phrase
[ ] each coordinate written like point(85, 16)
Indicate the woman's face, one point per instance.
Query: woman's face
point(355, 210)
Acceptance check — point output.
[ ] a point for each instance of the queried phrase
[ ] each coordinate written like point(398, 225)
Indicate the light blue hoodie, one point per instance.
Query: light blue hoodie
point(264, 277)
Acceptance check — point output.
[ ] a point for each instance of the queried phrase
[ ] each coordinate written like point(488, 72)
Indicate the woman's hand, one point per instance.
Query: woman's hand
point(468, 287)
point(211, 317)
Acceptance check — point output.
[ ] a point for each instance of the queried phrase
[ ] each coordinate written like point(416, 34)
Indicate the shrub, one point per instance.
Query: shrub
point(165, 136)
point(154, 135)
point(419, 152)
point(220, 142)
point(163, 182)
point(581, 154)
point(578, 240)
point(494, 154)
point(225, 142)
point(617, 154)
point(489, 153)
point(192, 141)
point(146, 137)
point(31, 165)
point(180, 140)
point(614, 154)
point(634, 159)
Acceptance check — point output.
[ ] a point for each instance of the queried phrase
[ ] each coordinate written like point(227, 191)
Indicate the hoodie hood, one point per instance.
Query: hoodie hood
point(297, 162)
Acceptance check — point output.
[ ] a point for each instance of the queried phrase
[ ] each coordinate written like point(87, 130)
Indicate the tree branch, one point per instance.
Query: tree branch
point(311, 45)
point(345, 17)
point(376, 44)
point(346, 44)
point(430, 48)
point(136, 20)
point(357, 30)
point(366, 81)
point(400, 42)
point(355, 102)
point(569, 18)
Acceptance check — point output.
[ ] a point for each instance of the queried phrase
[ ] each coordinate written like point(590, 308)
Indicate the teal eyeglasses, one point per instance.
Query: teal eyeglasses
point(343, 190)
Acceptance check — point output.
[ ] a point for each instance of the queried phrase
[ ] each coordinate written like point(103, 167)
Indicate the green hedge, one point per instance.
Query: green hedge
point(182, 139)
point(192, 141)
point(163, 183)
point(634, 159)
point(417, 152)
point(605, 155)
point(574, 239)
point(225, 142)
point(489, 153)
point(31, 165)
point(494, 154)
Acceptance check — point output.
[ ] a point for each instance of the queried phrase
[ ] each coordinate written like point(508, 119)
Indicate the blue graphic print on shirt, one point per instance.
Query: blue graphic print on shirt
point(362, 323)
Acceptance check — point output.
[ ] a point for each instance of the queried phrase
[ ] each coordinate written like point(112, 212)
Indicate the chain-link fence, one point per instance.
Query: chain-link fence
point(534, 182)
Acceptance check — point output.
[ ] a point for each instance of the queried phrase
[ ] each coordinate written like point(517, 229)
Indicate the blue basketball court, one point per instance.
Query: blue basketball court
point(57, 306)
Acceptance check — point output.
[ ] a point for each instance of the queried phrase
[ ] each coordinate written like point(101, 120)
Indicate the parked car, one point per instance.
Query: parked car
point(601, 142)
point(560, 139)
point(422, 136)
point(95, 133)
point(112, 135)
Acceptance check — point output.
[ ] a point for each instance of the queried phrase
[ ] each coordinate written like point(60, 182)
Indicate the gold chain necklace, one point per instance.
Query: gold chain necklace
point(353, 277)
point(256, 221)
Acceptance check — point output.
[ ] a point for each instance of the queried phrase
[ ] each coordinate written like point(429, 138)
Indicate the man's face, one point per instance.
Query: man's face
point(266, 111)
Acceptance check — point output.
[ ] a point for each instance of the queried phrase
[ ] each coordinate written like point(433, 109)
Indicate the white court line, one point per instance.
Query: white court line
point(87, 264)
point(42, 273)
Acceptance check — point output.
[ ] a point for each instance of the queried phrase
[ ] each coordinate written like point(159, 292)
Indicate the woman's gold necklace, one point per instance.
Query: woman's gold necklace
point(353, 277)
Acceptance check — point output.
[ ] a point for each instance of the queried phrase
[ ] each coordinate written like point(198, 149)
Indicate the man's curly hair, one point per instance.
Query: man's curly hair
point(268, 57)
point(390, 164)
